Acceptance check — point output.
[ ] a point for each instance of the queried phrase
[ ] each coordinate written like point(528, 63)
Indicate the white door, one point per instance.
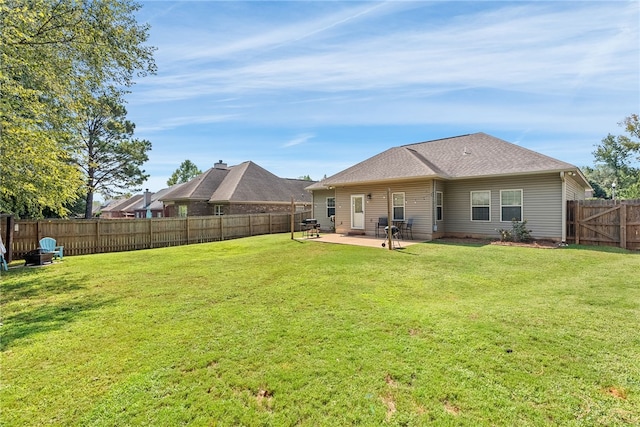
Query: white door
point(357, 211)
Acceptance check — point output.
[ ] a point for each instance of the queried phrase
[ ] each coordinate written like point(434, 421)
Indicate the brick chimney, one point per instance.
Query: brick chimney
point(220, 165)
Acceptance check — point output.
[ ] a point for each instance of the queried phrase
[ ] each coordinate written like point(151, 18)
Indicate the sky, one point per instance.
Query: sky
point(313, 87)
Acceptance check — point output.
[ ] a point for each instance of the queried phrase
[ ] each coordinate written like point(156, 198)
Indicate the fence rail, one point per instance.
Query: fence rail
point(604, 222)
point(81, 237)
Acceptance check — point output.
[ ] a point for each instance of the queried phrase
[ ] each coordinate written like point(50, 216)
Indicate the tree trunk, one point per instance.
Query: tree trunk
point(88, 211)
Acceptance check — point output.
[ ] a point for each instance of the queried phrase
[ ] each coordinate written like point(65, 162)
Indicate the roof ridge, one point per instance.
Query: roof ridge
point(427, 162)
point(441, 139)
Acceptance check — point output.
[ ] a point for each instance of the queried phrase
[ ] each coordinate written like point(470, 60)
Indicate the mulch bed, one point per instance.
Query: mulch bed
point(540, 244)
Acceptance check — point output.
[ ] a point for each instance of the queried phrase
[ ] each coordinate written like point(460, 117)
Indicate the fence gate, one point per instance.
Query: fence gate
point(604, 222)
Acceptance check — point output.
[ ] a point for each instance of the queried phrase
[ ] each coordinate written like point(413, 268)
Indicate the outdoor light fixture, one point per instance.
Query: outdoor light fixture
point(369, 196)
point(613, 190)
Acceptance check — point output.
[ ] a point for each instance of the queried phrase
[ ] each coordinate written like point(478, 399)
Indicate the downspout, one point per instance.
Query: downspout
point(564, 208)
point(434, 208)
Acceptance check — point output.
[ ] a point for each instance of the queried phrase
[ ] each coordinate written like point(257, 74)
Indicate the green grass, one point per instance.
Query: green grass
point(269, 331)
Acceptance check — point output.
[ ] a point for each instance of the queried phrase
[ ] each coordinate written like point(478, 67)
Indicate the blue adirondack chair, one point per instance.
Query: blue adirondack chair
point(49, 244)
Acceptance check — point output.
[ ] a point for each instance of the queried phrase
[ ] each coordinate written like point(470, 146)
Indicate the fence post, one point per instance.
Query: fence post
point(150, 234)
point(97, 246)
point(623, 225)
point(577, 217)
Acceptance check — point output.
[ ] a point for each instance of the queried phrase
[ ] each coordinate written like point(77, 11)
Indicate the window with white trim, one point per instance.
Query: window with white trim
point(331, 206)
point(481, 205)
point(218, 210)
point(182, 211)
point(439, 212)
point(398, 206)
point(510, 205)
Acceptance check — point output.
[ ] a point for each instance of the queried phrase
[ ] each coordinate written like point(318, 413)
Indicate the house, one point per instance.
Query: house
point(121, 208)
point(242, 189)
point(150, 205)
point(464, 186)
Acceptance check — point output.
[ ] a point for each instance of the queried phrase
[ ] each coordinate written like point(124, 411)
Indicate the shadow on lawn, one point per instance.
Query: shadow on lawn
point(34, 304)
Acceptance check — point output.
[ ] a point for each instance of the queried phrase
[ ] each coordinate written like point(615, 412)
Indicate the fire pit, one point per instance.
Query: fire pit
point(38, 257)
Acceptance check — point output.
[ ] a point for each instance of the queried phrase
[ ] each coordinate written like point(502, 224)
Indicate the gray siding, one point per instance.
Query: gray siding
point(418, 206)
point(542, 205)
point(319, 211)
point(574, 190)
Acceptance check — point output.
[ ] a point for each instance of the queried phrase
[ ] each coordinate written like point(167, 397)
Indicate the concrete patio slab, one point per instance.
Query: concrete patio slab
point(369, 241)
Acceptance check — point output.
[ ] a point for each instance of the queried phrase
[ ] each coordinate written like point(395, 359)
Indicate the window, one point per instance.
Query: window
point(481, 205)
point(398, 206)
point(331, 206)
point(218, 210)
point(510, 205)
point(182, 211)
point(439, 205)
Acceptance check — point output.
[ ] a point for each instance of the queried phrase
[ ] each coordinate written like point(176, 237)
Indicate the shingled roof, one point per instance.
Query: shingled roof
point(200, 187)
point(467, 156)
point(246, 182)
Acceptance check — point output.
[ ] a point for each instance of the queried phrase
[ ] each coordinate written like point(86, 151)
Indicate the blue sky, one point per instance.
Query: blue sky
point(313, 87)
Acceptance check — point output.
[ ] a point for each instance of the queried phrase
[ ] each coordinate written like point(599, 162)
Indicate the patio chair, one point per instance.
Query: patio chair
point(382, 223)
point(408, 228)
point(49, 244)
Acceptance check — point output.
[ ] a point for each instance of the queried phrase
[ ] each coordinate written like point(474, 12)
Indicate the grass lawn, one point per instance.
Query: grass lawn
point(270, 331)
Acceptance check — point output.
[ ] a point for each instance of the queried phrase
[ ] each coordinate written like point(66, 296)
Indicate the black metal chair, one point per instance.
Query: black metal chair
point(382, 223)
point(408, 228)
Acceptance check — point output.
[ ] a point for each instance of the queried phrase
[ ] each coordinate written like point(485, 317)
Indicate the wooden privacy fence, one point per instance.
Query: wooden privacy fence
point(604, 222)
point(81, 236)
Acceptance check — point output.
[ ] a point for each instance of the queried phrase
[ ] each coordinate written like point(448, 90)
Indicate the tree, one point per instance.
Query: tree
point(305, 177)
point(185, 172)
point(110, 157)
point(615, 158)
point(53, 55)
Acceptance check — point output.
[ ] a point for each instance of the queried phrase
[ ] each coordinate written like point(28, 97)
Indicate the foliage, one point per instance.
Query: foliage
point(52, 55)
point(616, 158)
point(185, 173)
point(251, 332)
point(517, 233)
point(305, 177)
point(108, 155)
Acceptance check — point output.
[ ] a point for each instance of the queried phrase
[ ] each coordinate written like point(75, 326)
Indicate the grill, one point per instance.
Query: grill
point(310, 227)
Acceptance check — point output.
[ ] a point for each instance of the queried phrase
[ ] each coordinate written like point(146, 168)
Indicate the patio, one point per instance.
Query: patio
point(344, 239)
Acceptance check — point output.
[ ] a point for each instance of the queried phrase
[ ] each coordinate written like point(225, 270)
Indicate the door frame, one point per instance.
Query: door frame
point(353, 213)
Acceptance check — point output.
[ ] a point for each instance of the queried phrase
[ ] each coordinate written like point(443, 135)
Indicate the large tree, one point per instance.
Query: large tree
point(53, 56)
point(185, 172)
point(109, 156)
point(617, 158)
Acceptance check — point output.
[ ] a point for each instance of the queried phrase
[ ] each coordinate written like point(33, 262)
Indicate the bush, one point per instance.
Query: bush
point(517, 233)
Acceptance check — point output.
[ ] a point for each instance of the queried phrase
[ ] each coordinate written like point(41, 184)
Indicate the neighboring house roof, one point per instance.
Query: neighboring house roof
point(248, 182)
point(467, 156)
point(156, 204)
point(200, 187)
point(123, 205)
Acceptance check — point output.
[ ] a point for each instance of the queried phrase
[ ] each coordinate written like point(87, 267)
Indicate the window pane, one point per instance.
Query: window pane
point(480, 198)
point(439, 198)
point(439, 213)
point(331, 212)
point(480, 214)
point(511, 197)
point(398, 213)
point(511, 213)
point(398, 199)
point(331, 202)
